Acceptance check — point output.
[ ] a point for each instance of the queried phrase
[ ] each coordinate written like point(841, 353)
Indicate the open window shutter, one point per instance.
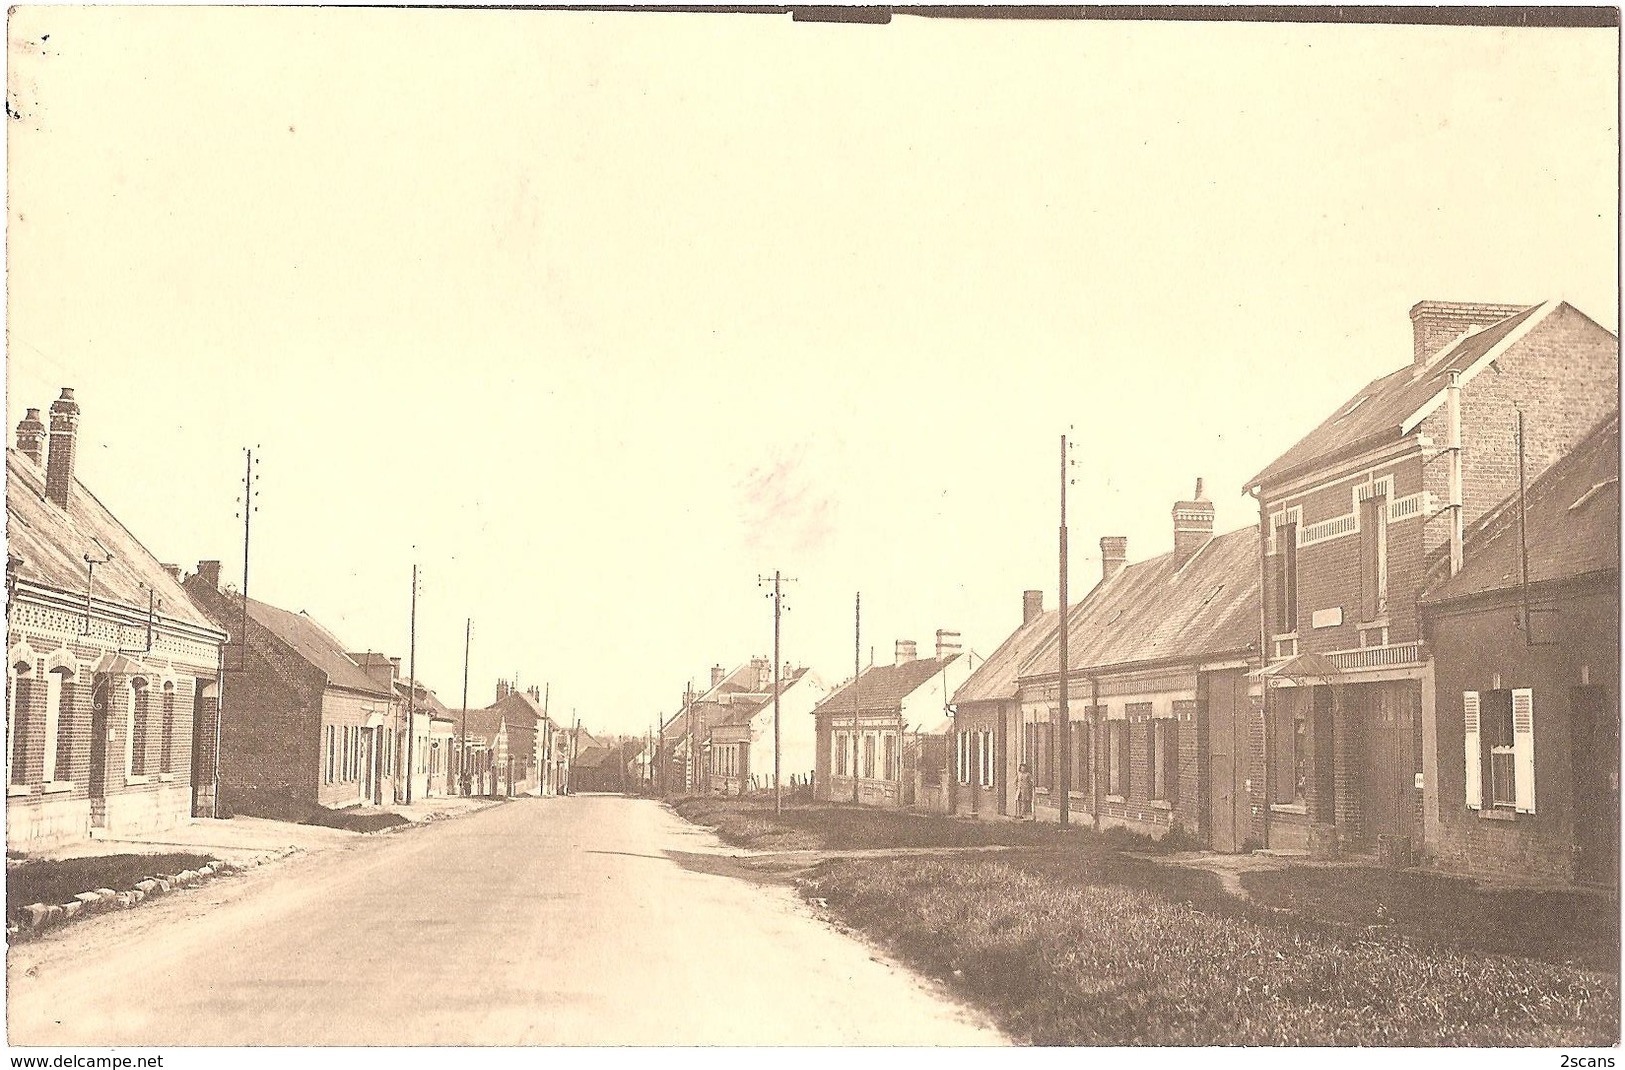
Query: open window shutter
point(991, 758)
point(1473, 754)
point(1523, 748)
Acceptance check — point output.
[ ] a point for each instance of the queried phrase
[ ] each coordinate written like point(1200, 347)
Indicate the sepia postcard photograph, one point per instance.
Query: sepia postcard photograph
point(777, 527)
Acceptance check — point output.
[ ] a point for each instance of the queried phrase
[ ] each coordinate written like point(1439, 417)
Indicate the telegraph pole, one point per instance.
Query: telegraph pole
point(857, 687)
point(1063, 736)
point(778, 603)
point(462, 750)
point(249, 509)
point(411, 685)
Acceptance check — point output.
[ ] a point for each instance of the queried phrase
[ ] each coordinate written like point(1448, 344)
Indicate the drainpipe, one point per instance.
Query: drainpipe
point(1263, 657)
point(1094, 748)
point(1452, 410)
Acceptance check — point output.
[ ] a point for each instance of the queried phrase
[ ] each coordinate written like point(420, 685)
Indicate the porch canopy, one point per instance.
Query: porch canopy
point(1300, 669)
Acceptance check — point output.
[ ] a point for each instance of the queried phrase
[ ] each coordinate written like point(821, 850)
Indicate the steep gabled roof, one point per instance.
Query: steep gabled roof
point(748, 704)
point(1571, 525)
point(881, 688)
point(1157, 610)
point(484, 724)
point(522, 710)
point(1384, 408)
point(996, 677)
point(424, 700)
point(312, 642)
point(51, 544)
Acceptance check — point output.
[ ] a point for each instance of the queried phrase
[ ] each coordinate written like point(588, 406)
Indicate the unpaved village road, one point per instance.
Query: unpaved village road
point(541, 921)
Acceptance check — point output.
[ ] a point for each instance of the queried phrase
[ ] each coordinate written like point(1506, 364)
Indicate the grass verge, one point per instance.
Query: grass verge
point(1088, 948)
point(57, 880)
point(833, 826)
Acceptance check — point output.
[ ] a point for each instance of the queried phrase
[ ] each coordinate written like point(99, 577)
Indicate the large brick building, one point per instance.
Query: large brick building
point(112, 673)
point(1525, 640)
point(1158, 693)
point(302, 726)
point(1350, 519)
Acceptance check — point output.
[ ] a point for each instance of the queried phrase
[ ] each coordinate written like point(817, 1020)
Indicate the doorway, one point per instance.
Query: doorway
point(1596, 786)
point(101, 694)
point(1226, 724)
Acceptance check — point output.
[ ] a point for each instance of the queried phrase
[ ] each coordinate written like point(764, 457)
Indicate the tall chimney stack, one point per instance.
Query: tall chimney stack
point(31, 437)
point(906, 651)
point(504, 689)
point(1193, 525)
point(1113, 555)
point(209, 573)
point(947, 643)
point(717, 673)
point(1435, 325)
point(64, 443)
point(1032, 606)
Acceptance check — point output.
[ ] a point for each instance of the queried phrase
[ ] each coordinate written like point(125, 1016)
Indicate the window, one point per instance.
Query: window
point(869, 756)
point(1374, 558)
point(22, 701)
point(1286, 577)
point(891, 756)
point(332, 754)
point(53, 724)
point(64, 728)
point(1499, 732)
point(166, 732)
point(962, 757)
point(1163, 739)
point(1117, 758)
point(1044, 773)
point(985, 768)
point(140, 714)
point(838, 754)
point(1083, 752)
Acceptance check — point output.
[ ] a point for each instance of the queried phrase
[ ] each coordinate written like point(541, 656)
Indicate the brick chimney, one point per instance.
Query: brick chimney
point(176, 573)
point(717, 673)
point(1193, 525)
point(1032, 606)
point(1113, 555)
point(1436, 324)
point(31, 437)
point(906, 651)
point(209, 573)
point(534, 692)
point(947, 643)
point(764, 673)
point(504, 689)
point(64, 444)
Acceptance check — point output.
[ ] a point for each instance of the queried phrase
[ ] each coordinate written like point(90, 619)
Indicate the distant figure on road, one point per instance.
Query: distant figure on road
point(1024, 792)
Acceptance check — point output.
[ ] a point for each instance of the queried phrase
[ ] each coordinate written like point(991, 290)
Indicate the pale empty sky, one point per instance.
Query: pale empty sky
point(597, 317)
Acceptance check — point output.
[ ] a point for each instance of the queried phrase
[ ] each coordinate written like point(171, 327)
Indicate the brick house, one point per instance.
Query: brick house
point(113, 674)
point(527, 724)
point(1350, 519)
point(741, 743)
point(985, 710)
point(902, 726)
point(685, 735)
point(1157, 689)
point(1526, 643)
point(302, 726)
point(485, 737)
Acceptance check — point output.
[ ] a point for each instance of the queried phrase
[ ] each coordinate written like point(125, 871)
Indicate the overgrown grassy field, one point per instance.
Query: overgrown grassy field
point(1070, 939)
point(1082, 951)
point(55, 881)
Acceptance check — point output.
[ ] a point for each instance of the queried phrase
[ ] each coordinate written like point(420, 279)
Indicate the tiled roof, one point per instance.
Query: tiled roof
point(996, 677)
point(52, 544)
point(1571, 524)
point(520, 708)
point(882, 688)
point(1156, 611)
point(483, 724)
point(312, 642)
point(1379, 410)
point(592, 757)
point(424, 700)
point(741, 712)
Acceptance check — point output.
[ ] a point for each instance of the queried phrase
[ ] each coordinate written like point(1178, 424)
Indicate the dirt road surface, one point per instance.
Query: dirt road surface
point(542, 921)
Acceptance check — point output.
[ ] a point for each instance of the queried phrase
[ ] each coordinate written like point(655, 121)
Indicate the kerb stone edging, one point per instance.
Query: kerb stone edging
point(37, 917)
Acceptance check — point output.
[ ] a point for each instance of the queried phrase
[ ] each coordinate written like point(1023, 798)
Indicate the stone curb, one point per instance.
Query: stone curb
point(37, 917)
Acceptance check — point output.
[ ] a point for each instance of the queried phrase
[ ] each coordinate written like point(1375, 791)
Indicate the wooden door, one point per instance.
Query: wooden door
point(1226, 700)
point(1596, 786)
point(1388, 782)
point(101, 696)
